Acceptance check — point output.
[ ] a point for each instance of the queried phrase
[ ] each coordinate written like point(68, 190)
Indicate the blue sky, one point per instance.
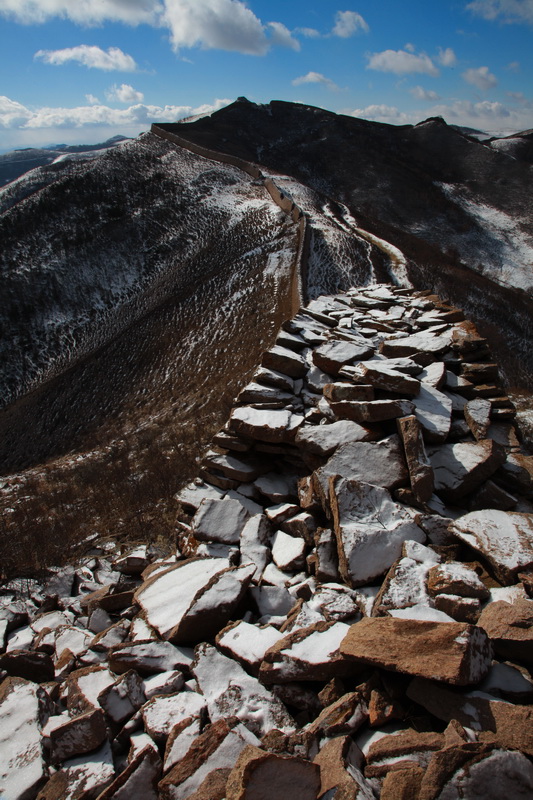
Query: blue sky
point(84, 70)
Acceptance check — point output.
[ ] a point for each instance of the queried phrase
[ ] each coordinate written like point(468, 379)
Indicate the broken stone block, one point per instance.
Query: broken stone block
point(78, 735)
point(217, 748)
point(380, 375)
point(303, 525)
point(230, 691)
point(81, 778)
point(162, 712)
point(340, 778)
point(280, 359)
point(28, 664)
point(219, 521)
point(323, 440)
point(418, 464)
point(455, 578)
point(451, 652)
point(462, 609)
point(327, 562)
point(139, 779)
point(421, 342)
point(213, 787)
point(477, 414)
point(433, 409)
point(272, 601)
point(307, 654)
point(148, 657)
point(233, 467)
point(405, 583)
point(23, 712)
point(373, 410)
point(336, 392)
point(258, 775)
point(462, 467)
point(265, 425)
point(123, 698)
point(132, 563)
point(247, 643)
point(83, 686)
point(334, 354)
point(406, 747)
point(370, 529)
point(510, 627)
point(504, 538)
point(288, 552)
point(343, 716)
point(194, 599)
point(255, 544)
point(402, 784)
point(277, 487)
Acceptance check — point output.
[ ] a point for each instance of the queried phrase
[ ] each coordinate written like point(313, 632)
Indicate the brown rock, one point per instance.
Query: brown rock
point(477, 415)
point(382, 709)
point(409, 745)
point(335, 353)
point(323, 440)
point(148, 657)
point(490, 495)
point(418, 464)
point(463, 609)
point(259, 775)
point(280, 359)
point(455, 578)
point(213, 787)
point(373, 410)
point(335, 782)
point(78, 735)
point(344, 715)
point(510, 627)
point(402, 784)
point(138, 780)
point(445, 651)
point(381, 376)
point(336, 392)
point(462, 467)
point(28, 664)
point(123, 698)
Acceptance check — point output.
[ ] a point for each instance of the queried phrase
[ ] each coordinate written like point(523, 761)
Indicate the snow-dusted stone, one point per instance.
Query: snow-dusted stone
point(481, 770)
point(407, 746)
point(194, 493)
point(51, 620)
point(455, 578)
point(508, 682)
point(180, 738)
point(307, 654)
point(373, 410)
point(418, 464)
point(504, 538)
point(99, 621)
point(380, 375)
point(259, 393)
point(477, 414)
point(334, 354)
point(29, 664)
point(335, 758)
point(450, 652)
point(139, 779)
point(302, 524)
point(219, 521)
point(22, 713)
point(288, 552)
point(67, 637)
point(272, 601)
point(230, 691)
point(421, 342)
point(433, 409)
point(217, 748)
point(164, 711)
point(405, 583)
point(370, 529)
point(194, 599)
point(281, 359)
point(265, 425)
point(213, 786)
point(420, 611)
point(78, 735)
point(323, 440)
point(279, 488)
point(134, 562)
point(461, 609)
point(336, 392)
point(149, 657)
point(111, 636)
point(380, 463)
point(259, 775)
point(255, 544)
point(81, 778)
point(83, 687)
point(462, 467)
point(238, 469)
point(247, 643)
point(168, 682)
point(124, 697)
point(509, 627)
point(434, 374)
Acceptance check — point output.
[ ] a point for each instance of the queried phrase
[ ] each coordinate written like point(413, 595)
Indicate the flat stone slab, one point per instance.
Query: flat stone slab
point(281, 359)
point(372, 410)
point(382, 376)
point(265, 425)
point(461, 468)
point(418, 464)
point(433, 409)
point(259, 774)
point(22, 768)
point(451, 652)
point(308, 654)
point(422, 342)
point(240, 469)
point(504, 538)
point(477, 414)
point(509, 627)
point(333, 355)
point(323, 440)
point(370, 529)
point(219, 521)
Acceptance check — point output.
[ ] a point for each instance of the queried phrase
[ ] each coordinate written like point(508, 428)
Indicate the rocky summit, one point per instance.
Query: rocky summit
point(346, 614)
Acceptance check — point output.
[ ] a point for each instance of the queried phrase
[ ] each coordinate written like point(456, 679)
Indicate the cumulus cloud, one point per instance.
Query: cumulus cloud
point(92, 99)
point(316, 77)
point(382, 113)
point(348, 23)
point(124, 94)
point(447, 57)
point(112, 59)
point(281, 35)
point(508, 10)
point(481, 78)
point(424, 94)
point(310, 33)
point(400, 62)
point(15, 115)
point(83, 12)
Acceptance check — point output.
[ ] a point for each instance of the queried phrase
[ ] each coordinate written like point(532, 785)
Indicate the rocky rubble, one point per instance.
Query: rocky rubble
point(347, 614)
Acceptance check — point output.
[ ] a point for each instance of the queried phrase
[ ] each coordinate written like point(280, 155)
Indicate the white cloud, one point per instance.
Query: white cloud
point(447, 57)
point(215, 24)
point(481, 78)
point(310, 33)
point(124, 94)
point(382, 113)
point(509, 10)
point(409, 47)
point(282, 36)
point(92, 99)
point(14, 115)
point(424, 94)
point(83, 12)
point(402, 63)
point(90, 56)
point(347, 23)
point(316, 77)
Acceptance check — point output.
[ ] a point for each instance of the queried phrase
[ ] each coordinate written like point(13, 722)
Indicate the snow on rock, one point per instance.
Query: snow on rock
point(149, 657)
point(162, 712)
point(22, 768)
point(433, 409)
point(370, 529)
point(247, 643)
point(504, 538)
point(324, 439)
point(265, 425)
point(139, 779)
point(219, 521)
point(308, 654)
point(462, 467)
point(288, 552)
point(83, 776)
point(259, 775)
point(230, 691)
